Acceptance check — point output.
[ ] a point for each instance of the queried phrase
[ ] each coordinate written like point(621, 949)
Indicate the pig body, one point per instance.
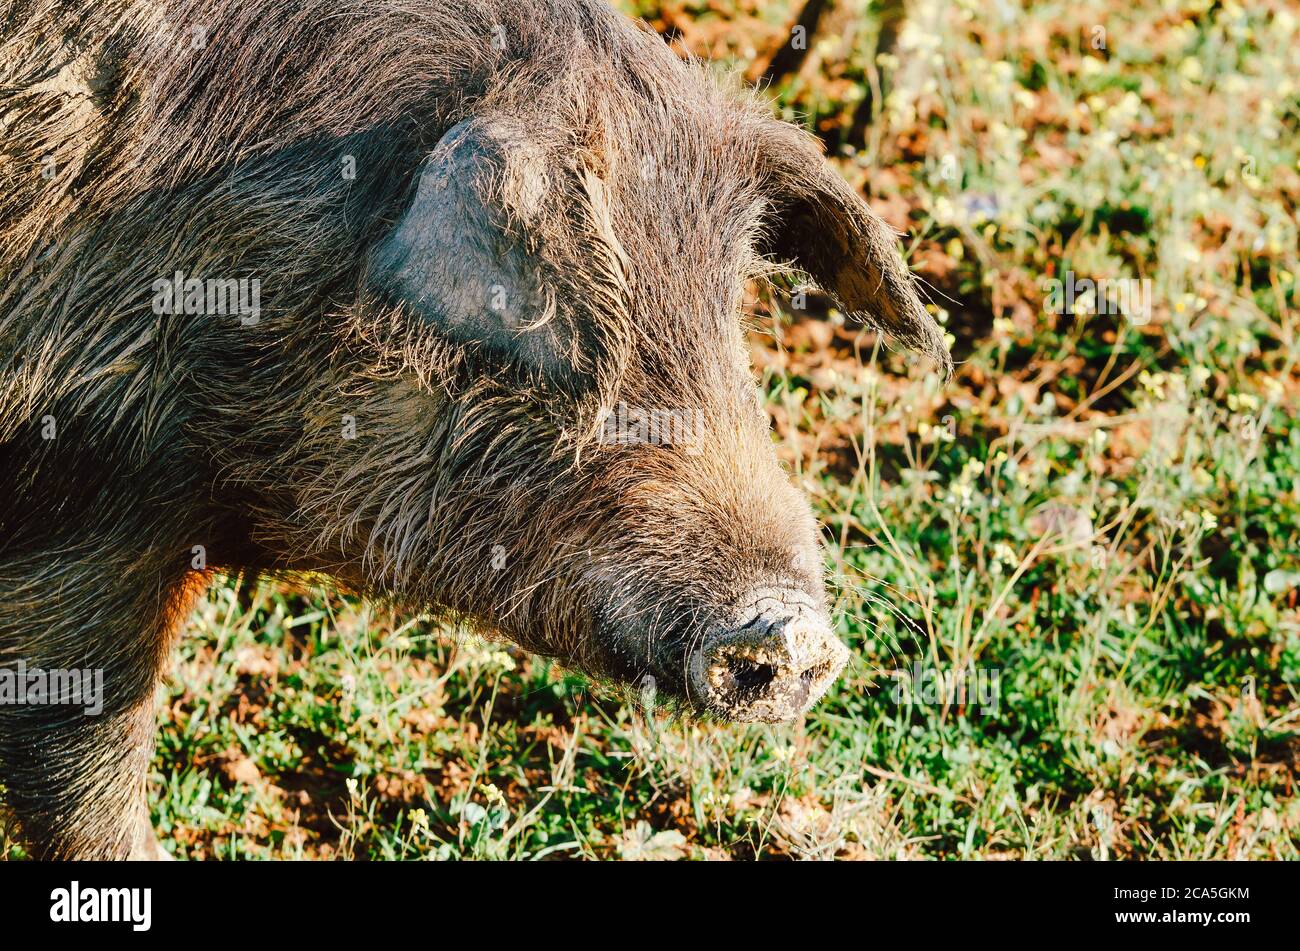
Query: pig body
point(439, 299)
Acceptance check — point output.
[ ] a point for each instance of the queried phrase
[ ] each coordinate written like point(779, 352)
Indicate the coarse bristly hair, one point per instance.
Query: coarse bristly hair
point(375, 165)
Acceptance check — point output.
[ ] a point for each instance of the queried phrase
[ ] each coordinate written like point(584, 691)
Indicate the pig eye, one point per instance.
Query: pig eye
point(465, 255)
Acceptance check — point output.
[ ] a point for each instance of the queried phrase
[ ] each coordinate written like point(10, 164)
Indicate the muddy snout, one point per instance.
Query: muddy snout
point(772, 666)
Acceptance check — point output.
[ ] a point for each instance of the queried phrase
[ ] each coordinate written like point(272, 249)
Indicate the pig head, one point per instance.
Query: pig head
point(606, 487)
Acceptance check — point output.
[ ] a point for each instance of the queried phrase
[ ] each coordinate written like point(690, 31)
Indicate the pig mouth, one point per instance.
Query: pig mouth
point(770, 664)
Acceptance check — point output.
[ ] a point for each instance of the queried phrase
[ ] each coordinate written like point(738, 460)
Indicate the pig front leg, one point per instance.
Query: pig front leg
point(78, 791)
point(74, 771)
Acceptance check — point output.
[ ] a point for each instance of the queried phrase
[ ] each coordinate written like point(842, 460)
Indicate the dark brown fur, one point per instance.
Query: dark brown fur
point(476, 484)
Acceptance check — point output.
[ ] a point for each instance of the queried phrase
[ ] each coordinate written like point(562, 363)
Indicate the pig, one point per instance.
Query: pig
point(442, 301)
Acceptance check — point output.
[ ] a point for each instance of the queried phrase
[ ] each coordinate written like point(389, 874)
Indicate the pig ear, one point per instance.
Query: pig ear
point(466, 257)
point(829, 232)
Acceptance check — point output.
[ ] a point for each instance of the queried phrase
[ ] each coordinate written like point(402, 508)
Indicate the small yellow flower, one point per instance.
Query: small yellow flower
point(1153, 383)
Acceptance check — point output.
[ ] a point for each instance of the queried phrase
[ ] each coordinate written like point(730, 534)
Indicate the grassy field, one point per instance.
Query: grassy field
point(1068, 577)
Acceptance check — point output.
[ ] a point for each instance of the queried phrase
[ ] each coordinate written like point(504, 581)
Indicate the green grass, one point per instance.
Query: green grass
point(1103, 516)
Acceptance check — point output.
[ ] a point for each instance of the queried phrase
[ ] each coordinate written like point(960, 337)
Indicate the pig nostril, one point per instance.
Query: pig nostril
point(815, 673)
point(748, 676)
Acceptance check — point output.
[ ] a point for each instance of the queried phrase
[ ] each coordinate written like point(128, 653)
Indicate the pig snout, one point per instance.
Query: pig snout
point(771, 665)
